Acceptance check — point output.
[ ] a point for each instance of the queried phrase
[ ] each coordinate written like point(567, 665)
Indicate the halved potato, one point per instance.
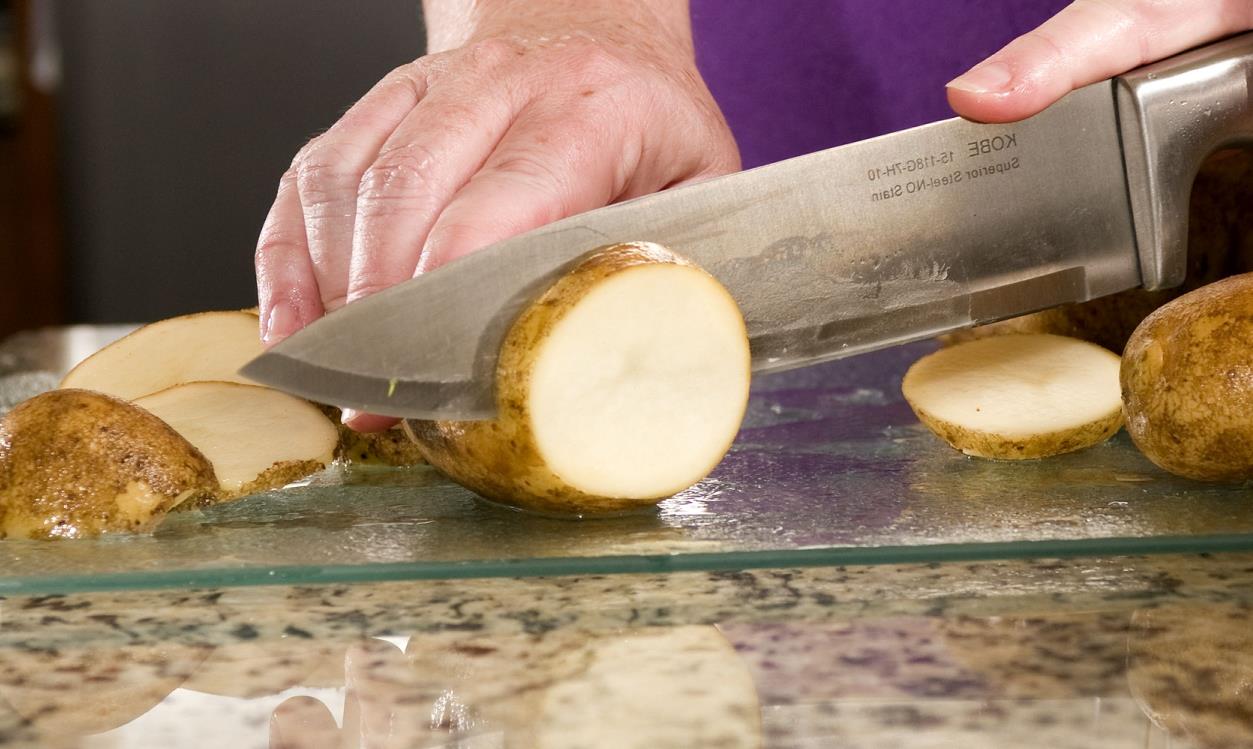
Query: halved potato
point(199, 347)
point(1018, 397)
point(626, 382)
point(75, 463)
point(256, 438)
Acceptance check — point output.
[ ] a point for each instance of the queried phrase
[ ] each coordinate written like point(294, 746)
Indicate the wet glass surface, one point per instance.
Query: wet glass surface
point(831, 467)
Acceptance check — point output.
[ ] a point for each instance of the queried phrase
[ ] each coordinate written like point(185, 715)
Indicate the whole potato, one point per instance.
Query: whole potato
point(1187, 383)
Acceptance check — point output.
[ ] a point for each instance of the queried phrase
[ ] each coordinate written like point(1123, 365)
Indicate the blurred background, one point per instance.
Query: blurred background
point(141, 142)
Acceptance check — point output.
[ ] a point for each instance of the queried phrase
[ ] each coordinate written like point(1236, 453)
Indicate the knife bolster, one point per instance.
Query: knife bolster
point(1172, 115)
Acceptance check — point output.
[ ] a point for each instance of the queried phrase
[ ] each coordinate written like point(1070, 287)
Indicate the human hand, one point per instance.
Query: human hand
point(526, 112)
point(1089, 41)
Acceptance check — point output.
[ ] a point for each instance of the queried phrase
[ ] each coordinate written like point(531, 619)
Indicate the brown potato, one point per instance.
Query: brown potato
point(623, 384)
point(1187, 383)
point(75, 463)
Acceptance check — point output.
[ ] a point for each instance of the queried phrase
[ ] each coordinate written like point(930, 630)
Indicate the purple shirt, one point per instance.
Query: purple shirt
point(795, 76)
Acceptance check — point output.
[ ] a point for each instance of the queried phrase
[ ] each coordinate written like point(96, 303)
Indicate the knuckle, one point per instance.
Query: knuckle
point(412, 76)
point(532, 168)
point(321, 170)
point(325, 185)
point(400, 173)
point(276, 242)
point(487, 54)
point(303, 154)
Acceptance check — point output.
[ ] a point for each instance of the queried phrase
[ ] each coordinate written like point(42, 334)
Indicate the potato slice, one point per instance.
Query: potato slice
point(624, 383)
point(1187, 382)
point(1017, 397)
point(256, 438)
point(75, 463)
point(191, 348)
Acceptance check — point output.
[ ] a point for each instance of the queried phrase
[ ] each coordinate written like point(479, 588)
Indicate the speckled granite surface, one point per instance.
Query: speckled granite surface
point(1135, 652)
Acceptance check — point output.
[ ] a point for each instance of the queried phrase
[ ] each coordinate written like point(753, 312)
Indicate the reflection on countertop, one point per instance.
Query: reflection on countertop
point(1135, 652)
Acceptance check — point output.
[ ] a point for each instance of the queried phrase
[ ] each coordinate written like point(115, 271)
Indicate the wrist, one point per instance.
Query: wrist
point(455, 23)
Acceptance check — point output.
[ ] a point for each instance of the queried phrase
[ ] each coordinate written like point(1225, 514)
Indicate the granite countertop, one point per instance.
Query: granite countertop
point(1136, 652)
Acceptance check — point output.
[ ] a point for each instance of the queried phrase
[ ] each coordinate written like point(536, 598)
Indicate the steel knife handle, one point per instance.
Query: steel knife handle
point(1173, 114)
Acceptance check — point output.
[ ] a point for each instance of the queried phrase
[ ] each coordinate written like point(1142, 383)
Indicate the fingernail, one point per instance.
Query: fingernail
point(987, 78)
point(279, 323)
point(348, 414)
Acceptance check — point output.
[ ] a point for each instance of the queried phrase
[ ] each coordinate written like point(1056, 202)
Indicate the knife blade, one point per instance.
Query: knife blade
point(844, 251)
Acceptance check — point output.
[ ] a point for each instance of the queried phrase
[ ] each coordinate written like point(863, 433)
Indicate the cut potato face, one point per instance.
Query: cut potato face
point(1017, 397)
point(75, 463)
point(256, 438)
point(201, 347)
point(625, 383)
point(629, 391)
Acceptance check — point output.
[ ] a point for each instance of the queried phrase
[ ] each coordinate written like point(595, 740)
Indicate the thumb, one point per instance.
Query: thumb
point(1086, 42)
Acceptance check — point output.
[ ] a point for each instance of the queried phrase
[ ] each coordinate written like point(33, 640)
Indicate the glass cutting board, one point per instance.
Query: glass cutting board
point(830, 468)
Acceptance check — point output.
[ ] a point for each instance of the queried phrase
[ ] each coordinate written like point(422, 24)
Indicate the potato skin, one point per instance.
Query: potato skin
point(69, 458)
point(390, 447)
point(1187, 383)
point(499, 459)
point(985, 445)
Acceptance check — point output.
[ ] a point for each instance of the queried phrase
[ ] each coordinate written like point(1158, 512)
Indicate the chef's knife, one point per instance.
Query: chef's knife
point(844, 251)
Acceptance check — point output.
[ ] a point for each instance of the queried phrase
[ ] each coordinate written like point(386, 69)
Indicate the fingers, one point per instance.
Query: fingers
point(328, 172)
point(1088, 41)
point(287, 289)
point(303, 252)
point(552, 164)
point(431, 155)
point(363, 422)
point(543, 169)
